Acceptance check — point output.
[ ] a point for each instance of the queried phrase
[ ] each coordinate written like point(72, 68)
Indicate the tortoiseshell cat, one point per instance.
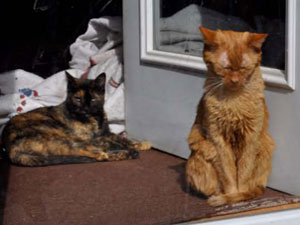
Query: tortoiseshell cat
point(231, 148)
point(75, 131)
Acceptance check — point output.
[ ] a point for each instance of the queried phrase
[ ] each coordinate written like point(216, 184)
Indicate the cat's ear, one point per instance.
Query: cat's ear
point(100, 81)
point(208, 35)
point(71, 80)
point(256, 41)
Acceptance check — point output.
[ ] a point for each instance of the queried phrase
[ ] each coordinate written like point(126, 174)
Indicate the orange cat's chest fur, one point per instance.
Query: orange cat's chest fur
point(234, 118)
point(234, 113)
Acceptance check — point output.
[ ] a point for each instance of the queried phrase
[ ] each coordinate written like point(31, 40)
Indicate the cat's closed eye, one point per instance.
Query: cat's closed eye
point(228, 68)
point(242, 68)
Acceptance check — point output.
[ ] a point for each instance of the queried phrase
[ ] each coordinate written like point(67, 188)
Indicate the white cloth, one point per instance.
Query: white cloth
point(23, 91)
point(98, 50)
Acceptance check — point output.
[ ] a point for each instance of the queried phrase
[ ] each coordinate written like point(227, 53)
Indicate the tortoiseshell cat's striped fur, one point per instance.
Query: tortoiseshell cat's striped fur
point(75, 131)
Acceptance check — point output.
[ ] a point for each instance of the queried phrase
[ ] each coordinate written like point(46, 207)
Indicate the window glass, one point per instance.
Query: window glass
point(177, 26)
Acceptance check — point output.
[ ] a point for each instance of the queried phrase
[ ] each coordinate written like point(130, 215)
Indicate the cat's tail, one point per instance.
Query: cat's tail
point(217, 200)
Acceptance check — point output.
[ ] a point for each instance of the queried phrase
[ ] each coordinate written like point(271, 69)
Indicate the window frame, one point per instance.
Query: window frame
point(273, 77)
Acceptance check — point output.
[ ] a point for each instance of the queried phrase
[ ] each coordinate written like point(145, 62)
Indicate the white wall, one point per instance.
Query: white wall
point(161, 106)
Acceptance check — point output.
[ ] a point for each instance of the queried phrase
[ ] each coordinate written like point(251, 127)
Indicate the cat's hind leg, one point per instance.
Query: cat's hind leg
point(201, 176)
point(263, 162)
point(28, 159)
point(200, 173)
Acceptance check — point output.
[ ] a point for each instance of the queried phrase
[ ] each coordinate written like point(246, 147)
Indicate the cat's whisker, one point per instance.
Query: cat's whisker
point(214, 79)
point(216, 87)
point(210, 86)
point(213, 86)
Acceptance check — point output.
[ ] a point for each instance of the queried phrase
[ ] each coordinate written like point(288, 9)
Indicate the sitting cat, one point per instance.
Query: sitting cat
point(75, 131)
point(231, 148)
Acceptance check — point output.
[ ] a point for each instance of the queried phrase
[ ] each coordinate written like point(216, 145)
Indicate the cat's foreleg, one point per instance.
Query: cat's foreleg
point(77, 154)
point(225, 163)
point(250, 182)
point(215, 150)
point(247, 187)
point(201, 175)
point(127, 143)
point(246, 163)
point(103, 154)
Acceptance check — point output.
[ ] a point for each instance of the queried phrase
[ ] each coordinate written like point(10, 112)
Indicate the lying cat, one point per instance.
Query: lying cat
point(230, 143)
point(75, 131)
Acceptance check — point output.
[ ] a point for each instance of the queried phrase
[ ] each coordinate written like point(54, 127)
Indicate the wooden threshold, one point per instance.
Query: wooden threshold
point(249, 213)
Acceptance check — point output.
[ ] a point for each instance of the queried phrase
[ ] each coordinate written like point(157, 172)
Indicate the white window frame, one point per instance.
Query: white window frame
point(273, 77)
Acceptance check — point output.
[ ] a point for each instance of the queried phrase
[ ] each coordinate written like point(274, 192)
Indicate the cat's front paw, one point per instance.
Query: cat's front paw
point(141, 146)
point(133, 154)
point(102, 156)
point(216, 200)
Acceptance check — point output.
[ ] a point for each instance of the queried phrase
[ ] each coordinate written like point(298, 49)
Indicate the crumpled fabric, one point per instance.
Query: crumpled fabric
point(98, 50)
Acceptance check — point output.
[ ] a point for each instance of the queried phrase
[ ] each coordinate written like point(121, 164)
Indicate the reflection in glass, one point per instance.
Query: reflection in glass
point(177, 26)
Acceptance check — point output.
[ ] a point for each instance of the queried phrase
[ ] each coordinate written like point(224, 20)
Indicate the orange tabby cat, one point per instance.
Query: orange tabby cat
point(231, 148)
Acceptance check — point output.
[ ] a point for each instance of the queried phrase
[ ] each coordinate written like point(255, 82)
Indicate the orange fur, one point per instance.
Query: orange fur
point(231, 147)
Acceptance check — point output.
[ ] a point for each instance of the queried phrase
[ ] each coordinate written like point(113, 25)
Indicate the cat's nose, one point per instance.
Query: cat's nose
point(234, 80)
point(234, 77)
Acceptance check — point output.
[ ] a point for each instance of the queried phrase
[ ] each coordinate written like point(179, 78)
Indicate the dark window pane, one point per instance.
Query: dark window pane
point(179, 21)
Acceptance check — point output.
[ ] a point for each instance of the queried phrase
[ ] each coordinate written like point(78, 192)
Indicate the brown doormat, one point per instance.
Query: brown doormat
point(148, 190)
